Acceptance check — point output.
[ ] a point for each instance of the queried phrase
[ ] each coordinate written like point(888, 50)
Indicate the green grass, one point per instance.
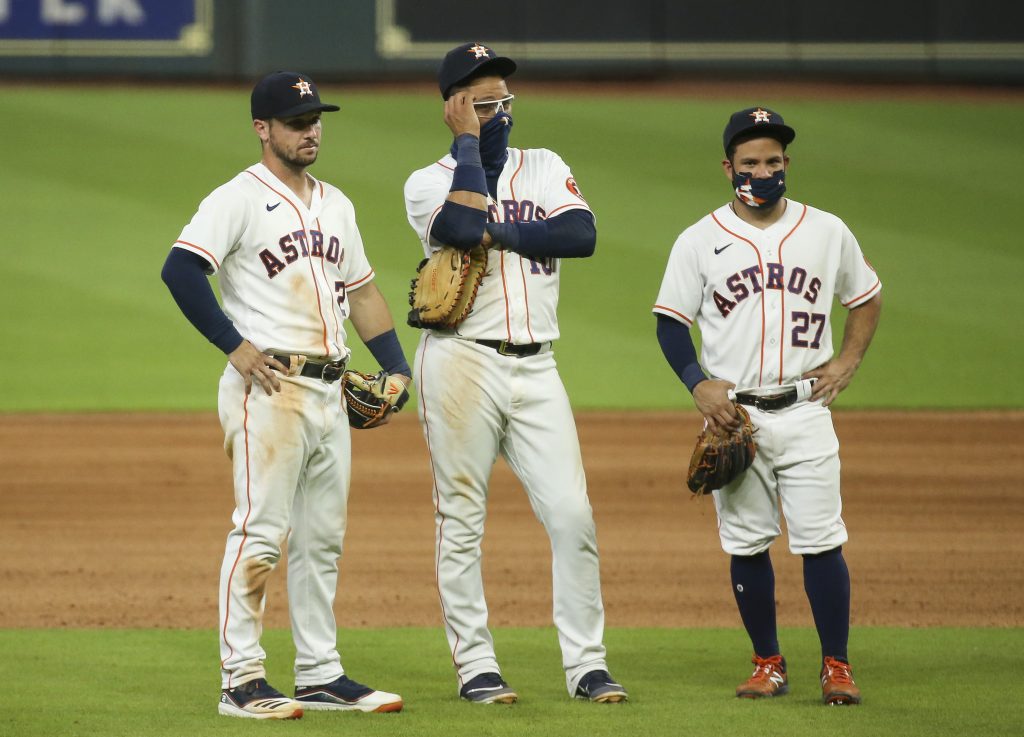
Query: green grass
point(101, 180)
point(916, 682)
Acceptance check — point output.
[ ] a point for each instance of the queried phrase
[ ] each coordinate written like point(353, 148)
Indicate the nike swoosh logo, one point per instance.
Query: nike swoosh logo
point(717, 250)
point(488, 688)
point(271, 208)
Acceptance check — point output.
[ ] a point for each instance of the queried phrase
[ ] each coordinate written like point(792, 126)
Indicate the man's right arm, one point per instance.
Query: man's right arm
point(462, 218)
point(184, 273)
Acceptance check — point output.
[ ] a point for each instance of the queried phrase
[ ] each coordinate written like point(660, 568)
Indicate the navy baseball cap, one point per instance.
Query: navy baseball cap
point(470, 60)
point(285, 95)
point(758, 120)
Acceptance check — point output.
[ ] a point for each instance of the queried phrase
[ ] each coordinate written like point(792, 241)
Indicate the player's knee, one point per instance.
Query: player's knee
point(572, 521)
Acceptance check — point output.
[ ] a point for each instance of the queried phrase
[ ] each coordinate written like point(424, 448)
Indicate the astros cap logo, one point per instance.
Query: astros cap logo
point(761, 116)
point(303, 87)
point(479, 52)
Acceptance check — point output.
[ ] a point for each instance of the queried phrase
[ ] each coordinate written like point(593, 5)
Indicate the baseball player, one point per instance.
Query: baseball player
point(292, 269)
point(491, 385)
point(758, 276)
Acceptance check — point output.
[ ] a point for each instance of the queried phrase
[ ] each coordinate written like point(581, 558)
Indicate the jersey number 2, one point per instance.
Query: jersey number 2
point(339, 287)
point(802, 323)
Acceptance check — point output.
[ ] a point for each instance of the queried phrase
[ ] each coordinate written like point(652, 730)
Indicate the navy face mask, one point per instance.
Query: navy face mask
point(760, 192)
point(494, 143)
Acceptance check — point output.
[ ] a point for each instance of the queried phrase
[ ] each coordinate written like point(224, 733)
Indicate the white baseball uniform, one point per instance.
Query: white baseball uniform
point(762, 300)
point(475, 403)
point(285, 271)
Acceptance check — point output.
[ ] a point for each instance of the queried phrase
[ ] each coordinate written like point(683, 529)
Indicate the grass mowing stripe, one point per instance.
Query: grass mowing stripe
point(929, 682)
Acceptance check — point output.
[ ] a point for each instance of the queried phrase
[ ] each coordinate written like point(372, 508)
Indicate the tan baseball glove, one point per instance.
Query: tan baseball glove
point(445, 287)
point(718, 459)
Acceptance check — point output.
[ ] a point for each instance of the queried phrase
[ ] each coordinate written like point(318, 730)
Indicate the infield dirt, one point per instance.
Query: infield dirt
point(119, 520)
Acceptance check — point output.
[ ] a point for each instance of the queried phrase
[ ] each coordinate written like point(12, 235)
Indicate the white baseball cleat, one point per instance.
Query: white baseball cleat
point(258, 700)
point(344, 694)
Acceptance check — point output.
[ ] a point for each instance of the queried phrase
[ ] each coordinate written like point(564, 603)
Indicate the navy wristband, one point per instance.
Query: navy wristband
point(387, 351)
point(467, 150)
point(469, 172)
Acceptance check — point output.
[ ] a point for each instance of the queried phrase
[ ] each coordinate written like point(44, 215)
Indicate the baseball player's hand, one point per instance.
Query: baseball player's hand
point(460, 115)
point(832, 377)
point(712, 399)
point(406, 380)
point(253, 365)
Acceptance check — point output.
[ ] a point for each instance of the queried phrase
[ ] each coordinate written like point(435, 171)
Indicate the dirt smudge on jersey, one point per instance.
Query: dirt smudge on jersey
point(255, 572)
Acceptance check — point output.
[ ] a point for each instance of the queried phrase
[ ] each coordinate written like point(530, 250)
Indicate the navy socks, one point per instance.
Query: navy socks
point(753, 585)
point(827, 583)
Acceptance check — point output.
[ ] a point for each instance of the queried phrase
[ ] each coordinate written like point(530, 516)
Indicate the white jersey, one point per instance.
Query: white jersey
point(285, 269)
point(762, 298)
point(518, 297)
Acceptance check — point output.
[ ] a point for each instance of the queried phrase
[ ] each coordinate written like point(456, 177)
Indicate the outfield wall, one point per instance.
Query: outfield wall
point(345, 40)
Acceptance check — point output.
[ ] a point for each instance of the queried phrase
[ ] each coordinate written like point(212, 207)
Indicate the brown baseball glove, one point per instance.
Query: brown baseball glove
point(445, 287)
point(717, 460)
point(369, 398)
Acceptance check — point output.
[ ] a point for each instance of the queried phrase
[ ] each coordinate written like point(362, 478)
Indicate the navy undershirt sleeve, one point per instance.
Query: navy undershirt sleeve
point(387, 351)
point(569, 235)
point(184, 273)
point(458, 225)
point(676, 344)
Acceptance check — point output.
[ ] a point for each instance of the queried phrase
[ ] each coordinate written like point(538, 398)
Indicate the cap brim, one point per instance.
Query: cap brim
point(500, 65)
point(307, 107)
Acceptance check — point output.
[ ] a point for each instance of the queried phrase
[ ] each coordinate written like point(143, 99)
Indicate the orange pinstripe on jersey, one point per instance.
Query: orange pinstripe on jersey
point(760, 265)
point(245, 534)
point(782, 328)
point(316, 286)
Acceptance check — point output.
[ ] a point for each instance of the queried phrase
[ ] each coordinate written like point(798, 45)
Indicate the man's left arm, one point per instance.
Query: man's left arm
point(373, 323)
point(571, 234)
point(836, 374)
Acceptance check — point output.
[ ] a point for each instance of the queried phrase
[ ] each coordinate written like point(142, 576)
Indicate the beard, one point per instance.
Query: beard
point(298, 159)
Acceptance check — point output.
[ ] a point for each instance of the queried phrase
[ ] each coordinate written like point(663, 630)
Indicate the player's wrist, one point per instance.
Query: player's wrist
point(387, 351)
point(467, 150)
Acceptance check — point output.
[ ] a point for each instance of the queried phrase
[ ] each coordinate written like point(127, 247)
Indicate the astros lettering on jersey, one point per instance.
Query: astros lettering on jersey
point(762, 298)
point(518, 298)
point(283, 254)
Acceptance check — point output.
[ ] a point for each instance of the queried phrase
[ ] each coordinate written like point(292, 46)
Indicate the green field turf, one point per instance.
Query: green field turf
point(931, 683)
point(99, 181)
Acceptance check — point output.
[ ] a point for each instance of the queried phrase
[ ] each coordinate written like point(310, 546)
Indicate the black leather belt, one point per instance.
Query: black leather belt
point(328, 371)
point(768, 402)
point(511, 349)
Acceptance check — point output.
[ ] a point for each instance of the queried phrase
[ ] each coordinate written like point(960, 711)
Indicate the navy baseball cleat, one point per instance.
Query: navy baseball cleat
point(488, 688)
point(598, 686)
point(344, 694)
point(258, 700)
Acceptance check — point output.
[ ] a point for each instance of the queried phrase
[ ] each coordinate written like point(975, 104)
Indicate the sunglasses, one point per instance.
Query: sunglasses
point(490, 108)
